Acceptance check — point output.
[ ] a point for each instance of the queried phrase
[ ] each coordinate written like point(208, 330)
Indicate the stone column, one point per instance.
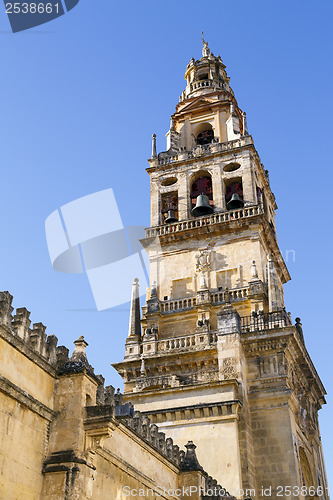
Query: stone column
point(218, 195)
point(249, 188)
point(155, 208)
point(183, 197)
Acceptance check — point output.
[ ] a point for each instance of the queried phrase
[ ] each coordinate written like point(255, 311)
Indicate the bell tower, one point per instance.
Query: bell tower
point(217, 359)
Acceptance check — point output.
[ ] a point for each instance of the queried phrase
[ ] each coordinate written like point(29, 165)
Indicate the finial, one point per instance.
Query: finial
point(79, 353)
point(143, 368)
point(80, 344)
point(205, 48)
point(191, 462)
point(153, 148)
point(245, 130)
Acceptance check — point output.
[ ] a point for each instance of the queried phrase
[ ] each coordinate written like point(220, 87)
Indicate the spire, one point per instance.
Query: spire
point(275, 297)
point(134, 322)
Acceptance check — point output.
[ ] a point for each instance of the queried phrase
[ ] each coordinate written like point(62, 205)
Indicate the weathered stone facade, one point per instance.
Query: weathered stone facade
point(215, 359)
point(219, 360)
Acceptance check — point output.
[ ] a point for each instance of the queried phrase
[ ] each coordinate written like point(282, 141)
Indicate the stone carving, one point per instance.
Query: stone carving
point(299, 329)
point(254, 271)
point(203, 260)
point(229, 368)
point(205, 48)
point(202, 264)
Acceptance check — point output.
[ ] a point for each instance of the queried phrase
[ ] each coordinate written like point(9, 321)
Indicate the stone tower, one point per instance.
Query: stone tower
point(217, 359)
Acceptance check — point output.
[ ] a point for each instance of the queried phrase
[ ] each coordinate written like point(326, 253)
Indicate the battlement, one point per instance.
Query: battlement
point(35, 338)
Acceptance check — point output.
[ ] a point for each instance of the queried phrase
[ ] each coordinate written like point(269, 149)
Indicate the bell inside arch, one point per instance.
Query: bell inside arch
point(171, 217)
point(235, 202)
point(202, 206)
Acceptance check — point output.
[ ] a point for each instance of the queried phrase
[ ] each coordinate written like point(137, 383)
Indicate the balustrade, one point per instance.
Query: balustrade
point(214, 147)
point(187, 342)
point(215, 218)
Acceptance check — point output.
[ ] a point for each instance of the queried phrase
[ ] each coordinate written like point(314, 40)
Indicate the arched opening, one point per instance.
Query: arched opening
point(204, 134)
point(169, 207)
point(234, 194)
point(305, 472)
point(202, 184)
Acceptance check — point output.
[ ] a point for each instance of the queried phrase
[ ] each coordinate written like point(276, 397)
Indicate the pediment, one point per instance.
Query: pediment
point(198, 103)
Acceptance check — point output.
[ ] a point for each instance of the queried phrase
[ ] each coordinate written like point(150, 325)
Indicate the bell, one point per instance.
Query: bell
point(202, 206)
point(171, 217)
point(235, 202)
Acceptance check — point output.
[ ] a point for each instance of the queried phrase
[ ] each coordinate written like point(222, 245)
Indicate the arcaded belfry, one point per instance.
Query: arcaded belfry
point(223, 364)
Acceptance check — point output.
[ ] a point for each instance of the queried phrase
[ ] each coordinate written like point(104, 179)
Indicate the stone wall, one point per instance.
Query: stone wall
point(64, 436)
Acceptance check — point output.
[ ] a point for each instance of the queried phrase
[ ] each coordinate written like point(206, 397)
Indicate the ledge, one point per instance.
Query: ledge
point(25, 399)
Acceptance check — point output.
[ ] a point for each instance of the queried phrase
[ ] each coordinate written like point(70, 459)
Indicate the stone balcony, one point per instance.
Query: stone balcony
point(207, 220)
point(206, 340)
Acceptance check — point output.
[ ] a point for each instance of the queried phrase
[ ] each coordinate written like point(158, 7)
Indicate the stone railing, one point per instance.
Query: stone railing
point(205, 83)
point(177, 305)
point(208, 220)
point(187, 342)
point(202, 84)
point(235, 294)
point(214, 147)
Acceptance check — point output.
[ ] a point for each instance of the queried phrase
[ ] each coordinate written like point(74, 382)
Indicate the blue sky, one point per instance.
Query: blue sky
point(81, 97)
